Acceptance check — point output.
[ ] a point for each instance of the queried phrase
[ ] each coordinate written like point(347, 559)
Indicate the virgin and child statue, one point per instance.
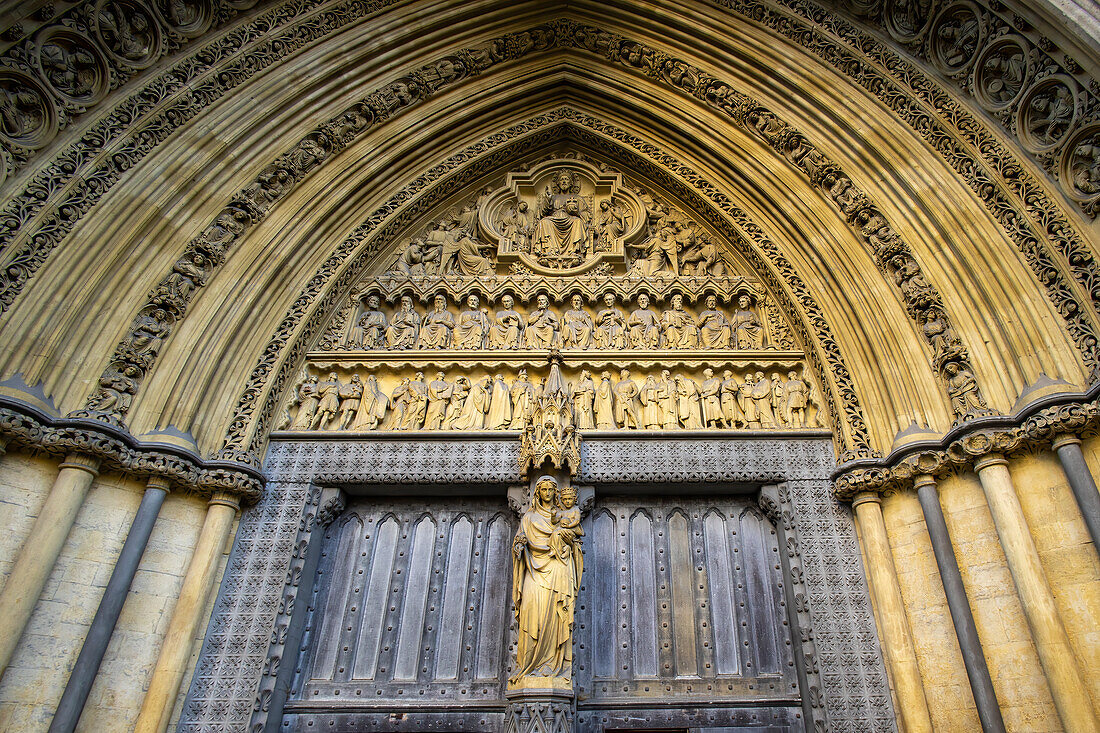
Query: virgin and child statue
point(546, 575)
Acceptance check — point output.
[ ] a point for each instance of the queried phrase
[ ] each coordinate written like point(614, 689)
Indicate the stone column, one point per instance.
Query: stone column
point(187, 616)
point(40, 550)
point(1068, 448)
point(981, 685)
point(110, 607)
point(897, 639)
point(1063, 674)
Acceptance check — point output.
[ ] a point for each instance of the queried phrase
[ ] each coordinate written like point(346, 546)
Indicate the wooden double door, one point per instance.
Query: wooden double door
point(682, 621)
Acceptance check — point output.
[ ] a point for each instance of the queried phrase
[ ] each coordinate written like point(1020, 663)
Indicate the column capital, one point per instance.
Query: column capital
point(158, 482)
point(81, 462)
point(924, 479)
point(864, 497)
point(1062, 439)
point(990, 459)
point(225, 498)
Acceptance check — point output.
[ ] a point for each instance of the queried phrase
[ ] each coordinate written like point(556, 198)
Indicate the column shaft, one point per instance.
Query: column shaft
point(897, 639)
point(40, 550)
point(1063, 674)
point(171, 665)
point(1081, 483)
point(981, 685)
point(110, 607)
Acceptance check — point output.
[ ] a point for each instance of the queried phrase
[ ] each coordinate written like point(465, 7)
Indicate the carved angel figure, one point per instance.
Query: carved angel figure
point(515, 225)
point(610, 223)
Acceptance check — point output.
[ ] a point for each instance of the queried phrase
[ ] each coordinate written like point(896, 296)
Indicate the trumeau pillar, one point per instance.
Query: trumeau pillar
point(39, 553)
point(187, 615)
point(1064, 675)
point(897, 638)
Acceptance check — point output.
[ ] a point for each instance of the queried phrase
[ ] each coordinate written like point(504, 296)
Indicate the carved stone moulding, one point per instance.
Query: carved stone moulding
point(1033, 427)
point(27, 426)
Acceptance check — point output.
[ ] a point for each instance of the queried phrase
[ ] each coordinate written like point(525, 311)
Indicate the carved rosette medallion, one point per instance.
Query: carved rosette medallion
point(72, 66)
point(1001, 72)
point(1080, 167)
point(1048, 112)
point(28, 119)
point(129, 32)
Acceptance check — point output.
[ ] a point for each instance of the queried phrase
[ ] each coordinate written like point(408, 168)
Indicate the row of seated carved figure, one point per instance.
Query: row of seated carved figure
point(663, 402)
point(542, 328)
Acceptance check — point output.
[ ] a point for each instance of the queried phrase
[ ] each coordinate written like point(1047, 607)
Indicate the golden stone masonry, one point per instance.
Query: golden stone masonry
point(549, 367)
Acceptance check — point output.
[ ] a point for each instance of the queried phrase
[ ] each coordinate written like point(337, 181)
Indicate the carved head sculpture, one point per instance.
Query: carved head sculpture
point(624, 374)
point(759, 376)
point(708, 373)
point(355, 379)
point(585, 374)
point(604, 206)
point(406, 303)
point(564, 181)
point(472, 302)
point(792, 376)
point(609, 300)
point(712, 302)
point(775, 376)
point(440, 377)
point(568, 496)
point(507, 301)
point(374, 303)
point(543, 302)
point(545, 490)
point(522, 207)
point(606, 376)
point(311, 380)
point(665, 374)
point(420, 376)
point(677, 302)
point(440, 303)
point(577, 302)
point(643, 301)
point(522, 374)
point(743, 302)
point(728, 374)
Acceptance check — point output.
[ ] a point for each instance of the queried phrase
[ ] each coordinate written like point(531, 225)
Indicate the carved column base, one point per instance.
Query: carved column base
point(543, 710)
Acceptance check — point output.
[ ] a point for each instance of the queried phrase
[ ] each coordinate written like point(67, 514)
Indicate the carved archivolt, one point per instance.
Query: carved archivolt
point(187, 18)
